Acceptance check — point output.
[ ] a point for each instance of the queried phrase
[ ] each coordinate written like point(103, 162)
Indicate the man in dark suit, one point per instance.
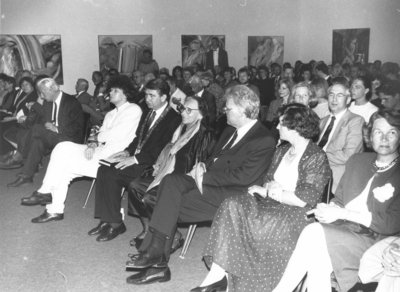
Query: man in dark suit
point(241, 157)
point(81, 87)
point(198, 90)
point(62, 121)
point(154, 132)
point(216, 56)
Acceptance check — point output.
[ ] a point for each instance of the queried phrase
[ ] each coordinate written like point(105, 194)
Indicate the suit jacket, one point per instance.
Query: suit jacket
point(70, 118)
point(346, 140)
point(385, 209)
point(84, 98)
point(8, 100)
point(212, 106)
point(22, 101)
point(241, 166)
point(222, 59)
point(157, 140)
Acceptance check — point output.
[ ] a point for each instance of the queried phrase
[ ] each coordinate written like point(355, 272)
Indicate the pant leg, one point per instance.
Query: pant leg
point(137, 191)
point(108, 190)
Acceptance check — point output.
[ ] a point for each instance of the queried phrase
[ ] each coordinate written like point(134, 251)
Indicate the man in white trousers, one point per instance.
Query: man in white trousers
point(70, 160)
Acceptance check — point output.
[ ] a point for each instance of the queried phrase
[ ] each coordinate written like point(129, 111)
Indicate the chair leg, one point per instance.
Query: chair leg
point(89, 193)
point(188, 239)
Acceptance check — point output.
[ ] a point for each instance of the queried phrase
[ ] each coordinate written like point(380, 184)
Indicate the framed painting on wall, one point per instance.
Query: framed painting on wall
point(265, 50)
point(350, 46)
point(40, 54)
point(123, 52)
point(195, 48)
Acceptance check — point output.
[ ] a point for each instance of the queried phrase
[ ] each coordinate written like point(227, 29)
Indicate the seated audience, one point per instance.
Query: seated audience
point(322, 71)
point(320, 87)
point(187, 74)
point(341, 132)
point(9, 97)
point(390, 95)
point(267, 88)
point(191, 142)
point(177, 74)
point(306, 73)
point(97, 79)
point(153, 133)
point(360, 94)
point(62, 121)
point(284, 88)
point(81, 88)
point(253, 235)
point(228, 79)
point(176, 95)
point(212, 87)
point(164, 74)
point(117, 131)
point(240, 158)
point(381, 263)
point(364, 210)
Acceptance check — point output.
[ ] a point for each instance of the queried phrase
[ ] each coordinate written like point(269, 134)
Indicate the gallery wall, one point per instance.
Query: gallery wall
point(305, 24)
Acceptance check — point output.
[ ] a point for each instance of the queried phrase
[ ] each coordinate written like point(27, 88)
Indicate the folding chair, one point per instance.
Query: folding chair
point(91, 189)
point(188, 239)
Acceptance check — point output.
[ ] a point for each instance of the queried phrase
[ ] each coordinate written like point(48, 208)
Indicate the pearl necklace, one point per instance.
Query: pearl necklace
point(383, 168)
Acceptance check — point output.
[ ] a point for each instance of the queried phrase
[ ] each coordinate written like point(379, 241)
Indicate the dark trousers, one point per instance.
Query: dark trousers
point(109, 182)
point(137, 191)
point(4, 145)
point(42, 142)
point(180, 200)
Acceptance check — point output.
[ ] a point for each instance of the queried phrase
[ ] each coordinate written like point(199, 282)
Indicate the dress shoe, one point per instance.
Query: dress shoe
point(137, 241)
point(36, 199)
point(98, 229)
point(12, 162)
point(150, 275)
point(177, 243)
point(21, 180)
point(219, 286)
point(144, 260)
point(110, 232)
point(47, 217)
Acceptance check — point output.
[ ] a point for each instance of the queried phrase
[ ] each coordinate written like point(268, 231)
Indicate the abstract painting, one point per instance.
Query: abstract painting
point(195, 48)
point(40, 54)
point(265, 50)
point(122, 52)
point(350, 46)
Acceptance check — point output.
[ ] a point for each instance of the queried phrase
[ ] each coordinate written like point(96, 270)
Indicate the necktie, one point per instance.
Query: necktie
point(228, 146)
point(328, 130)
point(149, 122)
point(54, 116)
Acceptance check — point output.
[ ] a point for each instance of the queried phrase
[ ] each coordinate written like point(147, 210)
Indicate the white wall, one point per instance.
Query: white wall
point(304, 24)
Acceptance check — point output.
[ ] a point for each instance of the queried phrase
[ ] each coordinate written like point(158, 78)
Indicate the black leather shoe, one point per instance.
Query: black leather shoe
point(177, 243)
point(98, 229)
point(109, 232)
point(219, 286)
point(47, 217)
point(21, 180)
point(144, 261)
point(150, 275)
point(36, 199)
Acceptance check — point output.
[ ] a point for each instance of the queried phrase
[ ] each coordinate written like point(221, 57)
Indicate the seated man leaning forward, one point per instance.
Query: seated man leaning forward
point(70, 160)
point(154, 132)
point(240, 159)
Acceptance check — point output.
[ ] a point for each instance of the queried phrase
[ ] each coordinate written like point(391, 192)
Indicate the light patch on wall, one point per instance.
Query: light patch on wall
point(92, 2)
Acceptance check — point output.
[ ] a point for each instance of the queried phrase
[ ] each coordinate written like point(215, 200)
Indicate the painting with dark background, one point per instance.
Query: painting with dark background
point(123, 52)
point(265, 50)
point(40, 54)
point(195, 47)
point(350, 46)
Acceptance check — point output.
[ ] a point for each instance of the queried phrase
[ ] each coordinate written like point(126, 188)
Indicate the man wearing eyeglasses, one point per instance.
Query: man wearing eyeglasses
point(341, 131)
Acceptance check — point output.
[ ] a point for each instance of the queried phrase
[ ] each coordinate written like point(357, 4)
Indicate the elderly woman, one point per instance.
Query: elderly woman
point(365, 209)
point(253, 235)
point(191, 142)
point(303, 93)
point(284, 89)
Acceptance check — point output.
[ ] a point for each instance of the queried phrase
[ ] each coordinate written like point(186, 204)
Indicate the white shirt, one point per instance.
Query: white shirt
point(338, 117)
point(365, 110)
point(57, 102)
point(242, 131)
point(215, 56)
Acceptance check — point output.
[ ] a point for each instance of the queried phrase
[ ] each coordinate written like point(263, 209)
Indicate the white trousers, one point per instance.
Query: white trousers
point(67, 162)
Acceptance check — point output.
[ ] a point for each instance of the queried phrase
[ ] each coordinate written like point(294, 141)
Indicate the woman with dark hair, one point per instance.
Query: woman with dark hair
point(360, 94)
point(192, 141)
point(253, 235)
point(365, 209)
point(177, 74)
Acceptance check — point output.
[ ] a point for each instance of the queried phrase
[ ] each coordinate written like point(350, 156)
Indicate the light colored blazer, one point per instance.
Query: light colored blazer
point(346, 140)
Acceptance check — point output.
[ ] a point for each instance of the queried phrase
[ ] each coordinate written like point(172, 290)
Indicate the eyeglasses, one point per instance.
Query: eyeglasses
point(227, 109)
point(189, 110)
point(339, 95)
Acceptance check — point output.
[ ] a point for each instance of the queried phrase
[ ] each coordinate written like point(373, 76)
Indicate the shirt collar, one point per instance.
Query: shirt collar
point(245, 128)
point(161, 109)
point(121, 107)
point(339, 115)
